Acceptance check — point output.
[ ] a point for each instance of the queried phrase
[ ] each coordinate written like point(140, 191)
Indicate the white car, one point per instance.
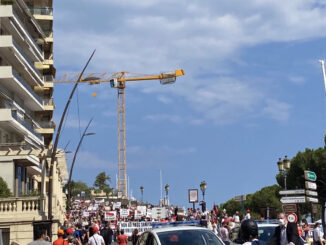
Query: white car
point(179, 235)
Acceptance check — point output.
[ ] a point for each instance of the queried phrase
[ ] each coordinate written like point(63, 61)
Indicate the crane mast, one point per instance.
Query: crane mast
point(122, 171)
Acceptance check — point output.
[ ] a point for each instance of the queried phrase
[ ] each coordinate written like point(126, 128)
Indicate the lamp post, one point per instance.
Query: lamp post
point(142, 193)
point(167, 187)
point(203, 186)
point(55, 145)
point(284, 166)
point(74, 159)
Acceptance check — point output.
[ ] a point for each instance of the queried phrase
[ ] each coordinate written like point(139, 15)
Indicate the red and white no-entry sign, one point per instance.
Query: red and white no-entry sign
point(292, 218)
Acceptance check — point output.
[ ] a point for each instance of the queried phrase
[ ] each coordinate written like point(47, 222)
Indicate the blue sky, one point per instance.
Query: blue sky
point(253, 90)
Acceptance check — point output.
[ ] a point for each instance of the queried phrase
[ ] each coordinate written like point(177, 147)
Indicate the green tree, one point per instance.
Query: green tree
point(77, 187)
point(4, 190)
point(101, 182)
point(313, 160)
point(231, 206)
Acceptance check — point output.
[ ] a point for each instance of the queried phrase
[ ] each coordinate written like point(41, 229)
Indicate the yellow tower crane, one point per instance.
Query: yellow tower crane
point(118, 80)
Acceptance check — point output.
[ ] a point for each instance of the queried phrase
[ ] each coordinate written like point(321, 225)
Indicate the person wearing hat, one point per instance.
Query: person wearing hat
point(318, 234)
point(96, 239)
point(60, 240)
point(247, 214)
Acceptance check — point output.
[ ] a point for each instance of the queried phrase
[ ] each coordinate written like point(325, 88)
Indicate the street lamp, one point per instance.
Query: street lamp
point(284, 166)
point(203, 186)
point(142, 193)
point(167, 187)
point(74, 159)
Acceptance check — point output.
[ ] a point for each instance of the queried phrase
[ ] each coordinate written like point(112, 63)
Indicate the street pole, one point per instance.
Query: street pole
point(74, 159)
point(55, 145)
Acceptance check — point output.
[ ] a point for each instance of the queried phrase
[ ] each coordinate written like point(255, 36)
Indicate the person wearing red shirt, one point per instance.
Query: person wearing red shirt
point(122, 238)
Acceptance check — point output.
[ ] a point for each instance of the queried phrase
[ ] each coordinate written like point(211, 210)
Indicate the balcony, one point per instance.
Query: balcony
point(15, 55)
point(12, 22)
point(11, 122)
point(11, 81)
point(19, 209)
point(42, 13)
point(49, 104)
point(47, 127)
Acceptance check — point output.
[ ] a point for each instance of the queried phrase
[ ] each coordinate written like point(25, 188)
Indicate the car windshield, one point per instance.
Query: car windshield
point(266, 233)
point(187, 237)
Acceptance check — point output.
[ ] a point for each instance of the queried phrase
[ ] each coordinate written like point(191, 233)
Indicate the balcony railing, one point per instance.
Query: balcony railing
point(48, 101)
point(30, 37)
point(48, 78)
point(26, 58)
point(26, 125)
point(27, 87)
point(42, 11)
point(48, 124)
point(19, 205)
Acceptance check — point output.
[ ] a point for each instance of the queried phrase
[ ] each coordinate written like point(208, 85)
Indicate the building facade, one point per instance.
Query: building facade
point(26, 125)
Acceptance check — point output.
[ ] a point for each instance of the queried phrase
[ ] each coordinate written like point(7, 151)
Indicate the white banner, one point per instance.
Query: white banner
point(158, 213)
point(111, 215)
point(116, 205)
point(124, 213)
point(129, 227)
point(149, 213)
point(142, 209)
point(86, 214)
point(138, 214)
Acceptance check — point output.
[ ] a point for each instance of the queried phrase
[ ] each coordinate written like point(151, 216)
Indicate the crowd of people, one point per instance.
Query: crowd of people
point(101, 223)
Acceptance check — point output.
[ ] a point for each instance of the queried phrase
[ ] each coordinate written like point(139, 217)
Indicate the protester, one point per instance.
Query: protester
point(134, 237)
point(40, 235)
point(318, 235)
point(107, 234)
point(96, 239)
point(224, 233)
point(122, 238)
point(249, 232)
point(60, 240)
point(306, 228)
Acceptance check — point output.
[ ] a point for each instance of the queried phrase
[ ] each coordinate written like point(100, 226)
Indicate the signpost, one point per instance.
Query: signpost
point(309, 175)
point(241, 199)
point(311, 193)
point(292, 218)
point(312, 199)
point(293, 199)
point(289, 208)
point(193, 197)
point(292, 192)
point(311, 185)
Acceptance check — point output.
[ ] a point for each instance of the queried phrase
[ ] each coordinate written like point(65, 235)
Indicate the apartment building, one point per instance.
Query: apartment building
point(26, 125)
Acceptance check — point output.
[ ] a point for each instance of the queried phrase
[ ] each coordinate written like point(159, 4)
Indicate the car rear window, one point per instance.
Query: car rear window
point(266, 233)
point(188, 237)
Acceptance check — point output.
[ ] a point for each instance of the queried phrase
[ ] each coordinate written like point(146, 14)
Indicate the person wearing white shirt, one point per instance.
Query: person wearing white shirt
point(318, 234)
point(96, 239)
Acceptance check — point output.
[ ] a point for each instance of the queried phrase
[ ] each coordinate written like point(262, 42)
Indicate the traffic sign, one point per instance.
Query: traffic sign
point(311, 185)
point(309, 175)
point(240, 198)
point(312, 199)
point(311, 193)
point(292, 192)
point(292, 218)
point(293, 199)
point(289, 208)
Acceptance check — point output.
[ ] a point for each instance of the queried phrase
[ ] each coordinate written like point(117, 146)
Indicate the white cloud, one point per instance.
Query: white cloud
point(297, 79)
point(278, 111)
point(150, 36)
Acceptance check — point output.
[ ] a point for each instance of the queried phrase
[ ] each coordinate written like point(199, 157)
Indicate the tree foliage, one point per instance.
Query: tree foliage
point(266, 197)
point(77, 187)
point(101, 183)
point(313, 160)
point(4, 190)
